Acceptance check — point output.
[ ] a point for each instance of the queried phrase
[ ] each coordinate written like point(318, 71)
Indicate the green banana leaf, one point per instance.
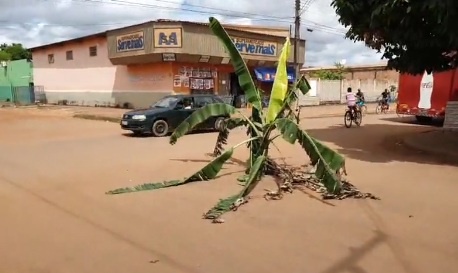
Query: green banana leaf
point(210, 171)
point(327, 161)
point(280, 85)
point(223, 134)
point(240, 68)
point(224, 205)
point(303, 85)
point(254, 176)
point(199, 116)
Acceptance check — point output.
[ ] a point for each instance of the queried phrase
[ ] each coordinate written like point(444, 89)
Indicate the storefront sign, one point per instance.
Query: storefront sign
point(168, 57)
point(271, 77)
point(130, 42)
point(167, 37)
point(255, 47)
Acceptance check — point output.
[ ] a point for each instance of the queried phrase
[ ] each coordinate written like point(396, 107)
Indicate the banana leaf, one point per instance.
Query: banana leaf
point(199, 116)
point(240, 68)
point(254, 176)
point(280, 85)
point(223, 134)
point(303, 85)
point(210, 171)
point(327, 161)
point(225, 205)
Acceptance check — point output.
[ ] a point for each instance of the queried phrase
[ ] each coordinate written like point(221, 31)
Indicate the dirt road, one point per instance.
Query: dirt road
point(55, 216)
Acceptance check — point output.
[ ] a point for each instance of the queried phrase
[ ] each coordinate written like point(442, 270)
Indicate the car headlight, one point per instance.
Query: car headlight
point(139, 117)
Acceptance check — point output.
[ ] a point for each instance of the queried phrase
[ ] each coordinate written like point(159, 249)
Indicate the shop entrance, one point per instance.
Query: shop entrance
point(236, 91)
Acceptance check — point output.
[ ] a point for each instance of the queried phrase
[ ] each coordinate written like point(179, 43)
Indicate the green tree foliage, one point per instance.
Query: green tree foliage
point(414, 36)
point(335, 74)
point(4, 56)
point(14, 52)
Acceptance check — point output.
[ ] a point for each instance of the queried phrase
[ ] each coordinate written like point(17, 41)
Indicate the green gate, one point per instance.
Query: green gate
point(23, 95)
point(5, 93)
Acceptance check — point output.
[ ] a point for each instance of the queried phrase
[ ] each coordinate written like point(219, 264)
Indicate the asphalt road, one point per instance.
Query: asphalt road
point(55, 217)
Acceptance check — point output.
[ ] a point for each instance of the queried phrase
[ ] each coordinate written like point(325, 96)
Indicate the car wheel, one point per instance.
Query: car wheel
point(218, 124)
point(160, 128)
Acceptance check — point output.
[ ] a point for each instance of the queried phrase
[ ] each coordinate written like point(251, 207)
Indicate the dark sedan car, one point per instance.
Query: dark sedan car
point(166, 114)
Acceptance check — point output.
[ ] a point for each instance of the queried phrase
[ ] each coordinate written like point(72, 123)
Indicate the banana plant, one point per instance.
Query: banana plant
point(279, 117)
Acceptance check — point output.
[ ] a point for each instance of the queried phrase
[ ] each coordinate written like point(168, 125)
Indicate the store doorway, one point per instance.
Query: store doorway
point(236, 91)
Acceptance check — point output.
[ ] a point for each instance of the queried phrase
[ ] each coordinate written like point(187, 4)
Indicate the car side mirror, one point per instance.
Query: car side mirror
point(179, 107)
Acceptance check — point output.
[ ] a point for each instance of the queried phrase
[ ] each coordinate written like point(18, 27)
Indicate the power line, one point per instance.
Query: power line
point(234, 14)
point(327, 29)
point(313, 27)
point(305, 6)
point(208, 11)
point(205, 7)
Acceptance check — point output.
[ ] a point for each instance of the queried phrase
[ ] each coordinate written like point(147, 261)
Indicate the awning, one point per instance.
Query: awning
point(267, 74)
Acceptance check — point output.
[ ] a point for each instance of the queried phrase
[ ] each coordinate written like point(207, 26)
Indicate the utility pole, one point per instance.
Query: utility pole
point(297, 30)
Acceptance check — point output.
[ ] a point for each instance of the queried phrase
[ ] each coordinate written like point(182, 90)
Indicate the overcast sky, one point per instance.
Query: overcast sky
point(37, 22)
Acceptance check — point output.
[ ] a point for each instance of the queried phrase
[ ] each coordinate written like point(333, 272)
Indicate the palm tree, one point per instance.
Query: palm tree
point(280, 117)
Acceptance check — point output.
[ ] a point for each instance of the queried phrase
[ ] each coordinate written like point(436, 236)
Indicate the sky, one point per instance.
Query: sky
point(38, 22)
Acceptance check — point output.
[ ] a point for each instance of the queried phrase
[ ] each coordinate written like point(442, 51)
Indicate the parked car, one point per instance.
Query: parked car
point(165, 115)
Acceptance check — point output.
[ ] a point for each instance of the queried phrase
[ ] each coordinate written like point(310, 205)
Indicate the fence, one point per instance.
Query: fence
point(22, 95)
point(333, 91)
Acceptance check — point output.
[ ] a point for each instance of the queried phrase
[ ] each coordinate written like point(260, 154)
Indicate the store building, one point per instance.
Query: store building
point(140, 64)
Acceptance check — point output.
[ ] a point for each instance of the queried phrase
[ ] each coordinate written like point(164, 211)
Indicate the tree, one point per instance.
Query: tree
point(280, 118)
point(337, 74)
point(414, 36)
point(4, 56)
point(14, 52)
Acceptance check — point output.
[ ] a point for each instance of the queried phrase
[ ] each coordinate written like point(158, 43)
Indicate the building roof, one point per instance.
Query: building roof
point(241, 28)
point(378, 66)
point(95, 35)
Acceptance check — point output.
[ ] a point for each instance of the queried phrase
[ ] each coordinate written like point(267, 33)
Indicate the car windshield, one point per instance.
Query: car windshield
point(167, 102)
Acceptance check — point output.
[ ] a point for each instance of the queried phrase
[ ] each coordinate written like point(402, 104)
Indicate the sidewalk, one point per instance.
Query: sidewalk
point(436, 142)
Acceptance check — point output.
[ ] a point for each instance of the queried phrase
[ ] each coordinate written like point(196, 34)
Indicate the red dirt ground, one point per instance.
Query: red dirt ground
point(55, 217)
